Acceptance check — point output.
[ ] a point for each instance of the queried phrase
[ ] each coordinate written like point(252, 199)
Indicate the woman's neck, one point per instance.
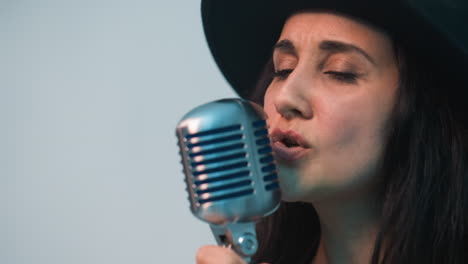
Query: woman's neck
point(349, 227)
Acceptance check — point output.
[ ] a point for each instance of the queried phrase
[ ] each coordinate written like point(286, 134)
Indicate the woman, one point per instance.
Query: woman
point(366, 112)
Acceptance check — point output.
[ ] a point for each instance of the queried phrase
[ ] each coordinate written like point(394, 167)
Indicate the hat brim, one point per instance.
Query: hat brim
point(241, 33)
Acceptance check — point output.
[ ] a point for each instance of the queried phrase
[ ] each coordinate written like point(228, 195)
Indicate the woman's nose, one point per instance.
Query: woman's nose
point(292, 98)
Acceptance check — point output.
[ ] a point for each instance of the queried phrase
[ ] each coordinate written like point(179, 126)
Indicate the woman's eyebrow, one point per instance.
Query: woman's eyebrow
point(333, 46)
point(286, 46)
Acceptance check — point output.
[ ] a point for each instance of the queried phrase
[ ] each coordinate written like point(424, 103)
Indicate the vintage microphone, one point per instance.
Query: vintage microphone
point(229, 169)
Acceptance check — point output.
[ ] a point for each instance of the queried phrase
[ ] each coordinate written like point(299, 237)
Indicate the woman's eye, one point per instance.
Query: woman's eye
point(282, 74)
point(346, 77)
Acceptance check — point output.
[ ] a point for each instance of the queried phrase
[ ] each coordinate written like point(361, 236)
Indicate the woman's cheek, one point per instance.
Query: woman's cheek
point(339, 136)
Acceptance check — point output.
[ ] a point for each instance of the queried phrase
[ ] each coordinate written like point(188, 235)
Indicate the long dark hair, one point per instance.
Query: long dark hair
point(424, 176)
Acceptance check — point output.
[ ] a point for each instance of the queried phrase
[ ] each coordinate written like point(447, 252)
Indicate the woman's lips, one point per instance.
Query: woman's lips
point(297, 148)
point(289, 154)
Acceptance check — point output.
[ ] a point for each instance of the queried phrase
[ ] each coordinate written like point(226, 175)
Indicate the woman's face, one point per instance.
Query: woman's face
point(329, 104)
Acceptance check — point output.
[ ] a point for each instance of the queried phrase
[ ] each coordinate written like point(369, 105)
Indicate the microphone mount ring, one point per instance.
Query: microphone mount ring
point(247, 244)
point(241, 237)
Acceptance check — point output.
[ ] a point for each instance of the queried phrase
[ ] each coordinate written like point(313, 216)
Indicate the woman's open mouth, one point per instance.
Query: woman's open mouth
point(288, 145)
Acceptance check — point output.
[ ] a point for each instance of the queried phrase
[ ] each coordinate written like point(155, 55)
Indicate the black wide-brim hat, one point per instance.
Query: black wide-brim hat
point(242, 33)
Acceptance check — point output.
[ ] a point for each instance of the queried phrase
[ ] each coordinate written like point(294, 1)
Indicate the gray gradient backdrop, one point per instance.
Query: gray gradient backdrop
point(90, 93)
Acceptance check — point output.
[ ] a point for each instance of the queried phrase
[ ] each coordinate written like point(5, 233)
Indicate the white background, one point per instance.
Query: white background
point(90, 94)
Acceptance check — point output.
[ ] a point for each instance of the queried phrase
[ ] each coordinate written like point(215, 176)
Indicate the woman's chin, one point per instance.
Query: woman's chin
point(291, 190)
point(290, 199)
point(290, 194)
point(296, 192)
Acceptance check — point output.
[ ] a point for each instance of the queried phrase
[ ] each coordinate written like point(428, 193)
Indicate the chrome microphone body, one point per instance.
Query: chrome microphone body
point(229, 170)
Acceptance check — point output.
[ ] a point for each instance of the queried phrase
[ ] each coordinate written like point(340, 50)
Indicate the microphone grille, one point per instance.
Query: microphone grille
point(265, 155)
point(218, 162)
